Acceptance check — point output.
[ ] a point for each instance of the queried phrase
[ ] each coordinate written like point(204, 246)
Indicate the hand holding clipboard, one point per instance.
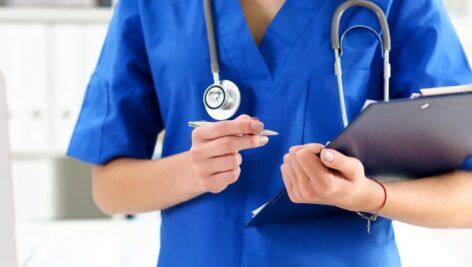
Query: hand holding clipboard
point(404, 138)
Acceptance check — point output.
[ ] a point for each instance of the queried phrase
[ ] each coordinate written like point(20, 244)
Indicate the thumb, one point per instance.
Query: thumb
point(350, 167)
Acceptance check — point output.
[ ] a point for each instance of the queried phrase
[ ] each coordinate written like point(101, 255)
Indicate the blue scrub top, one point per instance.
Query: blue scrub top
point(153, 71)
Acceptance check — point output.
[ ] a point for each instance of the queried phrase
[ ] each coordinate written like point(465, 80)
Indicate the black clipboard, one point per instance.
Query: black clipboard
point(407, 138)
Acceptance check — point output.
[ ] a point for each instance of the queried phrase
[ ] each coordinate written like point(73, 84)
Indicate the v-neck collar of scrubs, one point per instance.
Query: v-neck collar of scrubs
point(263, 62)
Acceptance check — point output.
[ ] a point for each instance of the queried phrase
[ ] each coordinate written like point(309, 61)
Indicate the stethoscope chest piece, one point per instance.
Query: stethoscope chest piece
point(222, 100)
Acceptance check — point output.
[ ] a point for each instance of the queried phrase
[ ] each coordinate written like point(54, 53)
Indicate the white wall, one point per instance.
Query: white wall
point(461, 13)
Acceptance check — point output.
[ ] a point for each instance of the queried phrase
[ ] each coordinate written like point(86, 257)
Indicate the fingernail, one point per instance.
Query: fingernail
point(263, 140)
point(255, 118)
point(256, 125)
point(328, 155)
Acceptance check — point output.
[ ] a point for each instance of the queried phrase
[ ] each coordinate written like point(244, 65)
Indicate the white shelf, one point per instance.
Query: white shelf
point(54, 15)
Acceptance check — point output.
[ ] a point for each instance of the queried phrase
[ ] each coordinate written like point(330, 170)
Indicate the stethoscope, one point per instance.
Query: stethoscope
point(222, 98)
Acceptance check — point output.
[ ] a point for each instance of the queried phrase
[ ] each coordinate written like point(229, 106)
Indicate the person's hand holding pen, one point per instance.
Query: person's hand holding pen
point(315, 175)
point(214, 154)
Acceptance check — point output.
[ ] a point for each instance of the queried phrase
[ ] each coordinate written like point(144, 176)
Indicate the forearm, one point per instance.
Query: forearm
point(134, 186)
point(313, 174)
point(442, 201)
point(211, 165)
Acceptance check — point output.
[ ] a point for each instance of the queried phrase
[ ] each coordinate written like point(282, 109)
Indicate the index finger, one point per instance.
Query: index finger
point(228, 128)
point(314, 148)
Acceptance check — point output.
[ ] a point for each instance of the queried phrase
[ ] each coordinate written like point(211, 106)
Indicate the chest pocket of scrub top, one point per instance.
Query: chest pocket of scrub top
point(362, 79)
point(323, 121)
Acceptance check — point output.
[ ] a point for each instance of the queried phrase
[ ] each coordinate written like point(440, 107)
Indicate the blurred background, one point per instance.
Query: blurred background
point(48, 50)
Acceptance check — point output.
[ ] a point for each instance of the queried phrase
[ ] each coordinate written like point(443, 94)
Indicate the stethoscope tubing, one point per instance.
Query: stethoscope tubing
point(336, 43)
point(215, 69)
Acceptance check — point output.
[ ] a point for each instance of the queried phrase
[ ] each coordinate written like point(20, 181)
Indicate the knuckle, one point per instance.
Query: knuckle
point(196, 134)
point(205, 183)
point(209, 185)
point(359, 165)
point(233, 176)
point(195, 153)
point(227, 126)
point(224, 141)
point(294, 149)
point(224, 126)
point(286, 158)
point(304, 194)
point(356, 162)
point(226, 144)
point(330, 180)
point(240, 159)
point(324, 190)
point(234, 160)
point(243, 126)
point(216, 189)
point(201, 172)
point(294, 198)
point(286, 181)
point(300, 153)
point(254, 140)
point(307, 194)
point(290, 195)
point(293, 158)
point(243, 116)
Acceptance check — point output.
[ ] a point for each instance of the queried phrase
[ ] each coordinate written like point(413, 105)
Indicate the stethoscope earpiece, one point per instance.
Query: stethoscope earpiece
point(222, 100)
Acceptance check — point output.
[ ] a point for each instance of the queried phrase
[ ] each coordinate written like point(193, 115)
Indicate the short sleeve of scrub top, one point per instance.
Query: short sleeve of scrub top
point(120, 114)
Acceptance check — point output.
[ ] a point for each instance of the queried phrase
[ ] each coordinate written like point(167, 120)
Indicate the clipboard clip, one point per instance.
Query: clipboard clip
point(461, 89)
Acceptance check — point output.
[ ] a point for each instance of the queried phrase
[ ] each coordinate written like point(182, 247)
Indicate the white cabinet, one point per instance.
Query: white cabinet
point(47, 57)
point(94, 36)
point(76, 50)
point(24, 58)
point(47, 66)
point(66, 85)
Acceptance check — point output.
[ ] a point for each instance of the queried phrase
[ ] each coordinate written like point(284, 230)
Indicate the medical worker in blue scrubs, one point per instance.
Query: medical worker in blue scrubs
point(151, 76)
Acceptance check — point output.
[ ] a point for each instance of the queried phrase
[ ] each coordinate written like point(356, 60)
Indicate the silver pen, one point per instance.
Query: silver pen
point(196, 124)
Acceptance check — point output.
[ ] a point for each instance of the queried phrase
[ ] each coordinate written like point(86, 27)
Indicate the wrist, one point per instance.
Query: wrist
point(376, 197)
point(191, 182)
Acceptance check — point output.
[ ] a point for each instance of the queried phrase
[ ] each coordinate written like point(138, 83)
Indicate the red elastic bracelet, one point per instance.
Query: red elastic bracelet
point(385, 196)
